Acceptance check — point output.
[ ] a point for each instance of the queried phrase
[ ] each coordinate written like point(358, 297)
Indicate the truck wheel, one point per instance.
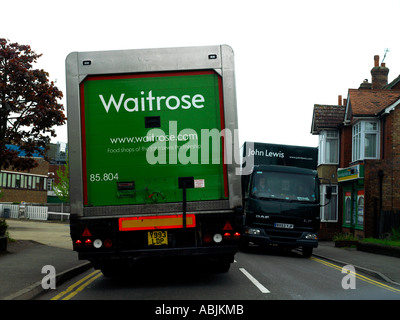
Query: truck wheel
point(307, 252)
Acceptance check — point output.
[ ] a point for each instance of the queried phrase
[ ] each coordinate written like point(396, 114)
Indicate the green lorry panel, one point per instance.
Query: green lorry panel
point(143, 131)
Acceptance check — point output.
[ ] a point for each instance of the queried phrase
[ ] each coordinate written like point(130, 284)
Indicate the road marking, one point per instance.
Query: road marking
point(358, 276)
point(254, 281)
point(93, 276)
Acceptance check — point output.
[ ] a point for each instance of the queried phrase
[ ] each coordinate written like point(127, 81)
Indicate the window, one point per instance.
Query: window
point(13, 180)
point(292, 187)
point(328, 147)
point(17, 181)
point(365, 140)
point(329, 213)
point(360, 207)
point(348, 210)
point(50, 183)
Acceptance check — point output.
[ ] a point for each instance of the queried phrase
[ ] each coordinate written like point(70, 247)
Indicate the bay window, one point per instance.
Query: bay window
point(365, 140)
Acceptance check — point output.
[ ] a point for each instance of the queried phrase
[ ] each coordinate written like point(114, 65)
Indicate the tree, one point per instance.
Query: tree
point(62, 188)
point(29, 107)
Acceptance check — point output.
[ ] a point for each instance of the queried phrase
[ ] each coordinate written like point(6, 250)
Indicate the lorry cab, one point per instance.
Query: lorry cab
point(281, 207)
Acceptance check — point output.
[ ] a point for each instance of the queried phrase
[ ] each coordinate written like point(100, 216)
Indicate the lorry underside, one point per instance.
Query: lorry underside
point(114, 243)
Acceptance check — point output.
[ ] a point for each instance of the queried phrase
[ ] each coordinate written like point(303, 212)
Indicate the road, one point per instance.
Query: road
point(260, 274)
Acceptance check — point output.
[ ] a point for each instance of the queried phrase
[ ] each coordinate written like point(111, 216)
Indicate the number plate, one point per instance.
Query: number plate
point(157, 238)
point(283, 225)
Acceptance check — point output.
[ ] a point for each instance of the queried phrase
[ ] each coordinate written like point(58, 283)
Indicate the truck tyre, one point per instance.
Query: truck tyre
point(307, 252)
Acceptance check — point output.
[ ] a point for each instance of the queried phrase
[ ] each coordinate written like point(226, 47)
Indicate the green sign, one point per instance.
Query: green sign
point(140, 133)
point(351, 173)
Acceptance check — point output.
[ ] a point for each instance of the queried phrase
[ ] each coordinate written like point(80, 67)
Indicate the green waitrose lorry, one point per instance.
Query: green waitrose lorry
point(150, 134)
point(281, 194)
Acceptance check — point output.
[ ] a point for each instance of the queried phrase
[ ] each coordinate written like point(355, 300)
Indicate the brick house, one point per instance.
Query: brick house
point(34, 185)
point(29, 186)
point(325, 123)
point(368, 153)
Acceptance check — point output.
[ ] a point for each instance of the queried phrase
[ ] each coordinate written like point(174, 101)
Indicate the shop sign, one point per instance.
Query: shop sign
point(351, 173)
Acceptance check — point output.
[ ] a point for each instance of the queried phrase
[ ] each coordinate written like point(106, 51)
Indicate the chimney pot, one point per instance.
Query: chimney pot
point(340, 100)
point(379, 74)
point(376, 59)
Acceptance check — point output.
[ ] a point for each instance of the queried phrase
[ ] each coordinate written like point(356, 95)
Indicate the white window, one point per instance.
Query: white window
point(329, 213)
point(328, 147)
point(365, 140)
point(348, 210)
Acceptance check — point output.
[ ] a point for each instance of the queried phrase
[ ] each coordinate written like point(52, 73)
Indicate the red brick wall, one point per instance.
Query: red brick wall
point(390, 166)
point(345, 147)
point(33, 196)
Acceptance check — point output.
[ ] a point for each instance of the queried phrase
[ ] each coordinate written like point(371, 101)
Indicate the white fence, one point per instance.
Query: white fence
point(28, 212)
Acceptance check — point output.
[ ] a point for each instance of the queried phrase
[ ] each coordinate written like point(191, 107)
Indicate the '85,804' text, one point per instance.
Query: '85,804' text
point(101, 177)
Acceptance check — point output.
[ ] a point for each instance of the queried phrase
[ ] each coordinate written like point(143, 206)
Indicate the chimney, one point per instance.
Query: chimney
point(379, 74)
point(365, 85)
point(340, 100)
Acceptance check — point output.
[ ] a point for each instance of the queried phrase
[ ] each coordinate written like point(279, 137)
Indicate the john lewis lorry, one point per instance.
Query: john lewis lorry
point(281, 196)
point(150, 133)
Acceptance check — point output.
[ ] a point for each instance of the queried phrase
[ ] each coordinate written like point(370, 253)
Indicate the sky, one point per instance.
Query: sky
point(289, 55)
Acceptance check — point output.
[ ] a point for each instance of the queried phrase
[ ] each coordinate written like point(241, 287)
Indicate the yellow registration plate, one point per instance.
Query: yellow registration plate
point(156, 238)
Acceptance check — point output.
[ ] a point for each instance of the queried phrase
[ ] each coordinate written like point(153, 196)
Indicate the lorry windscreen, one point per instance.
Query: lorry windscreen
point(284, 186)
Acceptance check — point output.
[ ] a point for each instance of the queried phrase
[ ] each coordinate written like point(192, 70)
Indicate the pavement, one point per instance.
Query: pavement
point(38, 244)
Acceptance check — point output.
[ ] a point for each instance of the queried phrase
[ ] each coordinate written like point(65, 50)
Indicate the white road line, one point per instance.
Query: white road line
point(254, 280)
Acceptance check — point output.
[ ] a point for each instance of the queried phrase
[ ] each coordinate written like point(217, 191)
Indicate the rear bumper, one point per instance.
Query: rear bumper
point(165, 252)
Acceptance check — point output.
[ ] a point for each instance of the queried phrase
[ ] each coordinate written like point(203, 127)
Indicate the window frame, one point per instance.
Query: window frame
point(360, 131)
point(22, 181)
point(334, 197)
point(324, 140)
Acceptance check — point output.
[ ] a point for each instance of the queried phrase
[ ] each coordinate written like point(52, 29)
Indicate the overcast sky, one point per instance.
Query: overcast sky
point(289, 55)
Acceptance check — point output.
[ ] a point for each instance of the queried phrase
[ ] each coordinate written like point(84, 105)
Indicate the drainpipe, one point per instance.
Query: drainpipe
point(380, 176)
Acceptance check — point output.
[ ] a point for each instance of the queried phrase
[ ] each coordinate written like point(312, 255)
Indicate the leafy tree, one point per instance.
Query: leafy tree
point(62, 188)
point(29, 107)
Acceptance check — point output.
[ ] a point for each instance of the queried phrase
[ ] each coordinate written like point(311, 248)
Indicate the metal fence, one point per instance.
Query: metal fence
point(17, 211)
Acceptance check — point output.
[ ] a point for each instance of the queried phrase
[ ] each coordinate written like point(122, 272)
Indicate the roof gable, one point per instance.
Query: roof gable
point(369, 102)
point(326, 117)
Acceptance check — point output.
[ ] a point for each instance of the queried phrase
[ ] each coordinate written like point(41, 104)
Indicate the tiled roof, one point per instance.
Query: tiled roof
point(394, 84)
point(327, 117)
point(370, 102)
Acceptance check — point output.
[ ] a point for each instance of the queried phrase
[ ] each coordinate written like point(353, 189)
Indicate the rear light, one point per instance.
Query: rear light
point(227, 235)
point(207, 238)
point(78, 243)
point(97, 243)
point(236, 235)
point(88, 242)
point(217, 238)
point(108, 243)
